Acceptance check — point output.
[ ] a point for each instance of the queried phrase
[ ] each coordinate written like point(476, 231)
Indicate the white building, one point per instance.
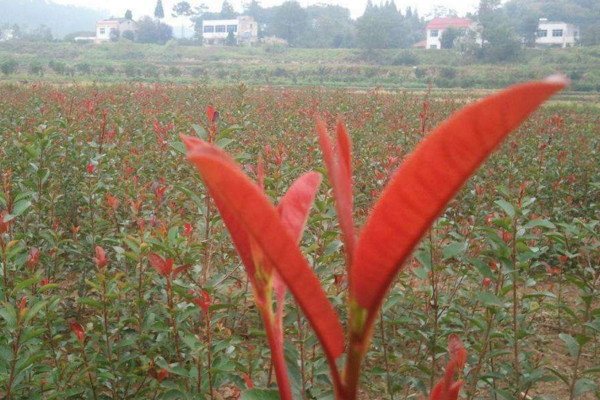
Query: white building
point(244, 29)
point(113, 28)
point(555, 33)
point(436, 27)
point(7, 34)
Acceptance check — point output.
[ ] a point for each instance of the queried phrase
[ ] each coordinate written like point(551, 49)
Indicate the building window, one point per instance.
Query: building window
point(232, 28)
point(220, 28)
point(433, 46)
point(557, 32)
point(209, 29)
point(102, 31)
point(542, 33)
point(434, 33)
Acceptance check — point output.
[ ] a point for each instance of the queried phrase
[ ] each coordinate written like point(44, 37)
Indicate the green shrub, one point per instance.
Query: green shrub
point(36, 68)
point(405, 58)
point(58, 66)
point(9, 66)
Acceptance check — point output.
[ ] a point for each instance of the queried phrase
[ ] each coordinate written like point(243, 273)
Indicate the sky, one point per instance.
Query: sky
point(357, 7)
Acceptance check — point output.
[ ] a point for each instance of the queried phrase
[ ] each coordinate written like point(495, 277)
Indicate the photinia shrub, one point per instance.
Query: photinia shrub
point(266, 237)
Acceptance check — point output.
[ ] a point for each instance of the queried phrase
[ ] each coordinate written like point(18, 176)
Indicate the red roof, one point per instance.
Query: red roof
point(449, 22)
point(421, 44)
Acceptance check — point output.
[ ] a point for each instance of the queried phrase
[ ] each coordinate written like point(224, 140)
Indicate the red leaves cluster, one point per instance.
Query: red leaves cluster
point(165, 267)
point(100, 259)
point(77, 330)
point(447, 388)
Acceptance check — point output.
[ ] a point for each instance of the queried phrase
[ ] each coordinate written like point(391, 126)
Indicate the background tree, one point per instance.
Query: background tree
point(9, 66)
point(153, 31)
point(227, 11)
point(231, 40)
point(129, 35)
point(382, 27)
point(128, 15)
point(183, 9)
point(291, 22)
point(159, 11)
point(42, 33)
point(448, 37)
point(329, 27)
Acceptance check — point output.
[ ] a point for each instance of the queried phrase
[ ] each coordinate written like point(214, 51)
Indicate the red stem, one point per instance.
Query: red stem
point(277, 354)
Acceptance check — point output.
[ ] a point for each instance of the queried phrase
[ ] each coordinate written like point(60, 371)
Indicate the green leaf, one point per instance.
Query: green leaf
point(228, 131)
point(200, 132)
point(34, 310)
point(9, 314)
point(506, 207)
point(195, 198)
point(222, 143)
point(559, 375)
point(260, 394)
point(453, 249)
point(26, 283)
point(488, 299)
point(18, 209)
point(583, 385)
point(572, 345)
point(90, 302)
point(539, 222)
point(539, 294)
point(593, 370)
point(178, 146)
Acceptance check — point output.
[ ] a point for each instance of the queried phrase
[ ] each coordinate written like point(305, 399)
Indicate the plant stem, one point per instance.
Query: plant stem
point(385, 356)
point(515, 310)
point(277, 354)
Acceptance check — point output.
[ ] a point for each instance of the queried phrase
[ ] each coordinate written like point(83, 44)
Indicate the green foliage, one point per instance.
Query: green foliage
point(231, 40)
point(159, 11)
point(291, 22)
point(9, 67)
point(153, 31)
point(384, 27)
point(129, 35)
point(449, 36)
point(36, 68)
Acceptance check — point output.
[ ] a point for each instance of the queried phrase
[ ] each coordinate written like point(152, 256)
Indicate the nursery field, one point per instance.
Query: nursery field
point(119, 279)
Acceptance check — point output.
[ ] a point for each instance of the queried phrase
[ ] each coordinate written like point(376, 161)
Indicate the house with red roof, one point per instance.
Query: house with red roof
point(437, 26)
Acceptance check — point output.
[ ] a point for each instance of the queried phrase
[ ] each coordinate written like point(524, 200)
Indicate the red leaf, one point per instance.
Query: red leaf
point(179, 270)
point(100, 259)
point(164, 267)
point(456, 350)
point(344, 146)
point(338, 170)
point(77, 329)
point(429, 178)
point(440, 392)
point(447, 389)
point(257, 216)
point(295, 205)
point(236, 231)
point(293, 209)
point(210, 114)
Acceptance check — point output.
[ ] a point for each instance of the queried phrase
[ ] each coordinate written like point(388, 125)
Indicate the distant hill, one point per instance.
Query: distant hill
point(61, 19)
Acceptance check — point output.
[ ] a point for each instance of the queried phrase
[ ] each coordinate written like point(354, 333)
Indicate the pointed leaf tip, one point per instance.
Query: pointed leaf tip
point(191, 142)
point(429, 178)
point(339, 168)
